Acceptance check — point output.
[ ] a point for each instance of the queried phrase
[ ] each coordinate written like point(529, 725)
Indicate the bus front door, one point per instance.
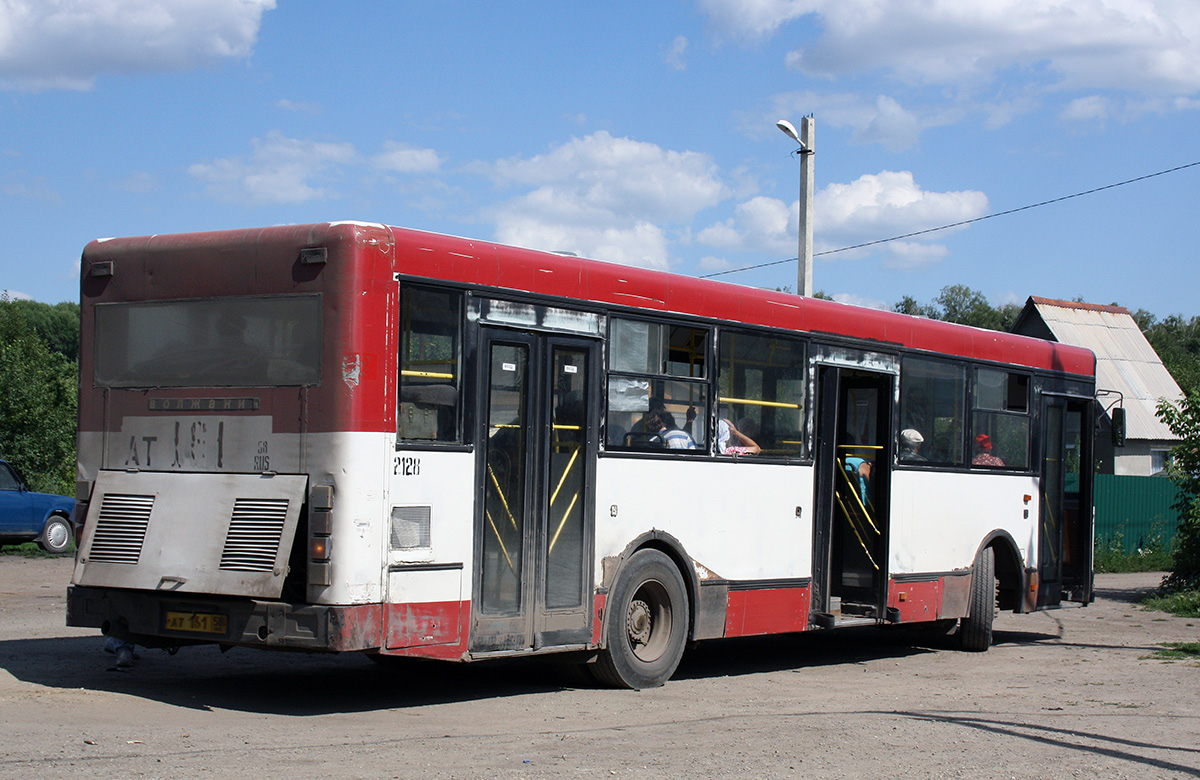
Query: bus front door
point(1065, 520)
point(533, 536)
point(853, 456)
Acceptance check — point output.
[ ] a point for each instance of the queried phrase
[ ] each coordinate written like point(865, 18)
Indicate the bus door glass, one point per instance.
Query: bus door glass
point(853, 469)
point(534, 535)
point(1065, 519)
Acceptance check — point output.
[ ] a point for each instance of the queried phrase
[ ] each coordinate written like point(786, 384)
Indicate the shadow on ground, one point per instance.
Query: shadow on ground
point(314, 684)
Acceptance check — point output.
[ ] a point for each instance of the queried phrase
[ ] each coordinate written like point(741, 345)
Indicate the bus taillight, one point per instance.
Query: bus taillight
point(320, 529)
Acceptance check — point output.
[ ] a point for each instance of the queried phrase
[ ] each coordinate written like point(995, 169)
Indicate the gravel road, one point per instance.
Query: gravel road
point(1063, 694)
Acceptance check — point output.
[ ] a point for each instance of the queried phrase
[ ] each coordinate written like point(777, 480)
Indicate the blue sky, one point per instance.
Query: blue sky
point(634, 132)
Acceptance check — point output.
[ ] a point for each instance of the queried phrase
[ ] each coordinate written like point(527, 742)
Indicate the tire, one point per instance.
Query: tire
point(647, 624)
point(56, 535)
point(975, 630)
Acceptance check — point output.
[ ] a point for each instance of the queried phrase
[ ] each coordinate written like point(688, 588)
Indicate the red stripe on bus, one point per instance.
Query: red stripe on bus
point(916, 601)
point(769, 611)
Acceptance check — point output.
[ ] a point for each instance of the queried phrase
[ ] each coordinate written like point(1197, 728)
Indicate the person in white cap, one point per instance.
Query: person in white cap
point(910, 441)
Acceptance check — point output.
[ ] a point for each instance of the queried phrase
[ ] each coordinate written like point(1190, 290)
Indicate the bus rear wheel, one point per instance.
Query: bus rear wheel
point(975, 630)
point(647, 624)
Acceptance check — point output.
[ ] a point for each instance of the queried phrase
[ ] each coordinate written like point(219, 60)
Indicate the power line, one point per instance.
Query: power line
point(960, 223)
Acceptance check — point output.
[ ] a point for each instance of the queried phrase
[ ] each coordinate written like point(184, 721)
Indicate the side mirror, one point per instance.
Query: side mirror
point(1117, 414)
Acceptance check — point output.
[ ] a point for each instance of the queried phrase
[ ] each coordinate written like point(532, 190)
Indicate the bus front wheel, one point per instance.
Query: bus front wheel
point(647, 623)
point(975, 630)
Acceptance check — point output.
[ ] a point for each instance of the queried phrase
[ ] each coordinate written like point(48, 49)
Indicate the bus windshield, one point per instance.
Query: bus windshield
point(220, 342)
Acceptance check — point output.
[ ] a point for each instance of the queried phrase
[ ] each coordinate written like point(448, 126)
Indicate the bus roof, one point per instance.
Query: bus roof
point(473, 262)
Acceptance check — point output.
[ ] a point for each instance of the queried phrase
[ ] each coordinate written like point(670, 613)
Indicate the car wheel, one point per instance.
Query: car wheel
point(56, 536)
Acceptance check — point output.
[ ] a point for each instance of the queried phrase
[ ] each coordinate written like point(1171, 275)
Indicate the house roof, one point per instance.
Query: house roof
point(1125, 361)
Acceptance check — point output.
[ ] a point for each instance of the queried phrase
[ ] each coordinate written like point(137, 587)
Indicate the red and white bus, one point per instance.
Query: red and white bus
point(354, 437)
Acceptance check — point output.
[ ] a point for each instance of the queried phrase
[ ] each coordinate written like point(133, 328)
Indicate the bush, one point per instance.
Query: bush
point(1184, 471)
point(1111, 556)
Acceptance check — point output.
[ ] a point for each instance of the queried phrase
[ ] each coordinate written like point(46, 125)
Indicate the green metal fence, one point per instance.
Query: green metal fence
point(1135, 509)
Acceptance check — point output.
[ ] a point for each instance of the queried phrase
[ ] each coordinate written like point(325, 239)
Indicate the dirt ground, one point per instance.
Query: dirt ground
point(1064, 694)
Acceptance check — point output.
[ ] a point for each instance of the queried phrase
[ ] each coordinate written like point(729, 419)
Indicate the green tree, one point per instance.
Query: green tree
point(1184, 471)
point(38, 401)
point(960, 304)
point(56, 325)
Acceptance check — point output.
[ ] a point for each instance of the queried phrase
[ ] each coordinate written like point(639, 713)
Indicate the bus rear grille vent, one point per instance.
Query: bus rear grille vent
point(255, 529)
point(121, 528)
point(410, 528)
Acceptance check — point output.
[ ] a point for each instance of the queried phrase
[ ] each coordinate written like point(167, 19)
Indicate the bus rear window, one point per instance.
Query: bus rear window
point(218, 342)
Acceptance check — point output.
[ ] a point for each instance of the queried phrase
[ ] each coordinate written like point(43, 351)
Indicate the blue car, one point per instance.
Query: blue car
point(26, 516)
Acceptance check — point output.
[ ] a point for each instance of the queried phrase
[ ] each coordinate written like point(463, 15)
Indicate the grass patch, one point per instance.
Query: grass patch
point(1185, 603)
point(1178, 651)
point(31, 550)
point(1111, 556)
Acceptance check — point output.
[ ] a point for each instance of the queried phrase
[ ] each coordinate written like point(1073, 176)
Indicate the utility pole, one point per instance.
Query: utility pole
point(804, 276)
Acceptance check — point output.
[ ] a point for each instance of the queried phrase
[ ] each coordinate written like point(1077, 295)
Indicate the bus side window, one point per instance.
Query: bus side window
point(658, 392)
point(1000, 422)
point(761, 390)
point(429, 392)
point(933, 404)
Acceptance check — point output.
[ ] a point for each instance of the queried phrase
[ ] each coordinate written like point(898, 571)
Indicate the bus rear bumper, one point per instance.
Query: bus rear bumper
point(153, 619)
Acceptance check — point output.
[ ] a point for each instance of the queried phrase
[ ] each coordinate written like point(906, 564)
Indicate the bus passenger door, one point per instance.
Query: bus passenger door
point(537, 439)
point(1065, 525)
point(854, 432)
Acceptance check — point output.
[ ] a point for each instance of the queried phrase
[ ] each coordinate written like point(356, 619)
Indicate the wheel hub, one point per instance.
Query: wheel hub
point(640, 622)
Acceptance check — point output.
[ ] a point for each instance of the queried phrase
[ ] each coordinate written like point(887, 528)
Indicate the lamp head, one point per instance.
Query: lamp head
point(790, 131)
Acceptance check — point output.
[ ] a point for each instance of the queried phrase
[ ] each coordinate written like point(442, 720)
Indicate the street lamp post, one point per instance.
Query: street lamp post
point(804, 253)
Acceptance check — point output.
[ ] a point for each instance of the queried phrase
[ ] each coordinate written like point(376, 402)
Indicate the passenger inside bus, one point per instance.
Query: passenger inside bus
point(668, 433)
point(983, 452)
point(910, 445)
point(731, 441)
point(859, 470)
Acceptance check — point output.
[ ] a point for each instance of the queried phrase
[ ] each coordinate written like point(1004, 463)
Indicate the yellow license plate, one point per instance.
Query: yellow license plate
point(197, 622)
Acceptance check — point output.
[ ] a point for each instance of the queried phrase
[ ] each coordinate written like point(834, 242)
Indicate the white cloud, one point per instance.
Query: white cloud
point(756, 18)
point(403, 158)
point(1150, 46)
point(298, 106)
point(860, 300)
point(710, 263)
point(66, 44)
point(1087, 109)
point(278, 170)
point(871, 208)
point(14, 295)
point(889, 203)
point(603, 197)
point(676, 53)
point(19, 184)
point(760, 224)
point(882, 120)
point(139, 182)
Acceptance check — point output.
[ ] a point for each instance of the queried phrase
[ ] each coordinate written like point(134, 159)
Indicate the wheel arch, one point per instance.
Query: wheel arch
point(53, 513)
point(673, 549)
point(1010, 568)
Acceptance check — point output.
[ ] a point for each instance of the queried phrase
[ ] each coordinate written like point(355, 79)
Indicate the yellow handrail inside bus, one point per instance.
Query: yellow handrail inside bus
point(503, 549)
point(503, 499)
point(857, 534)
point(425, 374)
point(857, 496)
point(566, 471)
point(755, 402)
point(563, 522)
